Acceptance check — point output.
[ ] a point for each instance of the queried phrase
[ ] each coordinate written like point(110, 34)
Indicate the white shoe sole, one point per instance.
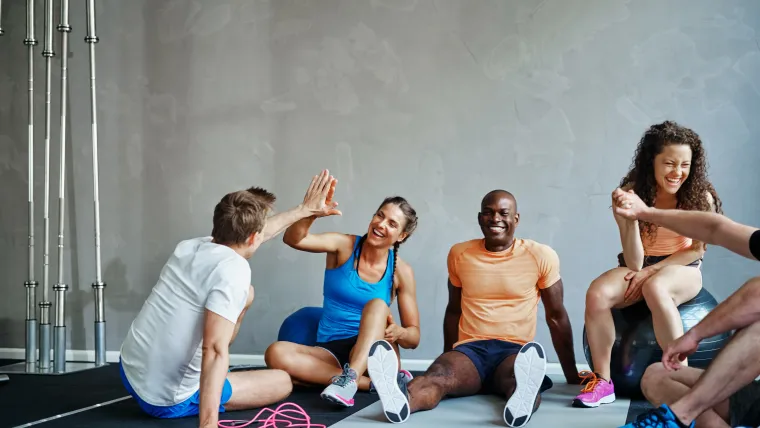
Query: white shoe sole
point(382, 366)
point(605, 400)
point(530, 369)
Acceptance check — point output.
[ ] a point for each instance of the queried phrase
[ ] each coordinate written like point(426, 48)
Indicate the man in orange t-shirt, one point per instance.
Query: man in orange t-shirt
point(495, 284)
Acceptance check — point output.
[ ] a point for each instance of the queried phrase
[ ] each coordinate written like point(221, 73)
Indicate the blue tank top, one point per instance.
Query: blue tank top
point(345, 295)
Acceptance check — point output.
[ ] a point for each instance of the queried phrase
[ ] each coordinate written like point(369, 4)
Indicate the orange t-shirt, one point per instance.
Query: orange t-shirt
point(500, 291)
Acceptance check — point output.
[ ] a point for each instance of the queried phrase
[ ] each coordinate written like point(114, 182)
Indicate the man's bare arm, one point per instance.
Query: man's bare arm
point(560, 329)
point(279, 222)
point(451, 318)
point(217, 334)
point(710, 228)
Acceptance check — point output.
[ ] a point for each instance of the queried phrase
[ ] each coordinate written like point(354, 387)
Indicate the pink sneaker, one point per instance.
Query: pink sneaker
point(407, 375)
point(596, 392)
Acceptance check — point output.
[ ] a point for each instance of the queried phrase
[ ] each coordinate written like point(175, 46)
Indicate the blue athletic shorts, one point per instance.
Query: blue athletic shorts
point(189, 407)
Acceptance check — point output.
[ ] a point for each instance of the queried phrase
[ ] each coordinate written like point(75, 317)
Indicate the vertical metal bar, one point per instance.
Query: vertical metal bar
point(31, 298)
point(98, 286)
point(48, 53)
point(59, 349)
point(1, 18)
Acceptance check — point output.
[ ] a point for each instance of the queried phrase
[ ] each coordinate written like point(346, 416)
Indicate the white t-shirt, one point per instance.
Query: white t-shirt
point(161, 354)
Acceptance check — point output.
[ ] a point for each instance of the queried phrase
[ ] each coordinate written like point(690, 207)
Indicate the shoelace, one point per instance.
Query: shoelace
point(342, 379)
point(591, 378)
point(293, 418)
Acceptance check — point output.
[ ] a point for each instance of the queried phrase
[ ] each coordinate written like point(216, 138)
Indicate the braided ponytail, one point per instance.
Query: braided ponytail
point(411, 224)
point(358, 251)
point(394, 290)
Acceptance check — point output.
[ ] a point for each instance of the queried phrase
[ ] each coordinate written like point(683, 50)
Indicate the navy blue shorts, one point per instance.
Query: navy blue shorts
point(488, 354)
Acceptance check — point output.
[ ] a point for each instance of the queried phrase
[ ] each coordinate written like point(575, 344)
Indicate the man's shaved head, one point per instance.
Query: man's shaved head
point(498, 219)
point(495, 195)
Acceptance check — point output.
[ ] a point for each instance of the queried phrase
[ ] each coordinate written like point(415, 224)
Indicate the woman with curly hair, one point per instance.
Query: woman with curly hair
point(657, 268)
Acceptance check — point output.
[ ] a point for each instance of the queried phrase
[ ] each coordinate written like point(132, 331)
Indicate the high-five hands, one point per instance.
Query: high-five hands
point(319, 197)
point(627, 204)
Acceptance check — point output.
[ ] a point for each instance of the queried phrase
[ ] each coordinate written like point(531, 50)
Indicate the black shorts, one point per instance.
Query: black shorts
point(486, 355)
point(653, 260)
point(754, 244)
point(744, 406)
point(340, 348)
point(640, 308)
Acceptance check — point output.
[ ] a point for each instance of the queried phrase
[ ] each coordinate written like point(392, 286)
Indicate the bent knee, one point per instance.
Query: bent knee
point(655, 291)
point(653, 377)
point(600, 296)
point(377, 305)
point(753, 329)
point(654, 373)
point(278, 356)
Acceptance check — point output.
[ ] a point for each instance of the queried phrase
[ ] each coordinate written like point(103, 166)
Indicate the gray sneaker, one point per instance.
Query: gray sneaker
point(342, 389)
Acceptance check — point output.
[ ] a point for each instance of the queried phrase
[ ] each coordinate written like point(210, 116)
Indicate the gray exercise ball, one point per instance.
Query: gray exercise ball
point(636, 348)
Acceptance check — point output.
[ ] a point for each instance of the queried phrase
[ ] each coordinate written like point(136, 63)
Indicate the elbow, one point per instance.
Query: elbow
point(289, 239)
point(413, 344)
point(635, 263)
point(700, 251)
point(556, 317)
point(215, 350)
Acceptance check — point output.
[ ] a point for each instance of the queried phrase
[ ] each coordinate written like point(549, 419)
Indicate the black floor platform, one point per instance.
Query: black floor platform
point(28, 398)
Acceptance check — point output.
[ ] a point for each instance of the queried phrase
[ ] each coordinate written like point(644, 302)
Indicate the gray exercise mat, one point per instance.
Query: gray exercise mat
point(485, 410)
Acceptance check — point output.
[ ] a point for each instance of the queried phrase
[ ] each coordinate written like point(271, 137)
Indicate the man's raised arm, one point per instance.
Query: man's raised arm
point(710, 228)
point(317, 202)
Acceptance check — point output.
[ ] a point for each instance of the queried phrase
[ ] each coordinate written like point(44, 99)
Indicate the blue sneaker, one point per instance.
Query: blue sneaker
point(661, 417)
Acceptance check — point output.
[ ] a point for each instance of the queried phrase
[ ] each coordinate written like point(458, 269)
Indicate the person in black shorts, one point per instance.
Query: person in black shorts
point(727, 393)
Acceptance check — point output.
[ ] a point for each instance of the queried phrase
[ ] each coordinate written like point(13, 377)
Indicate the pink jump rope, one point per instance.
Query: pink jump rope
point(292, 418)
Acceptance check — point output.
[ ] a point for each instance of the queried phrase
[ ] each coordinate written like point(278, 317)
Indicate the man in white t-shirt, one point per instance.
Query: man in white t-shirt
point(175, 358)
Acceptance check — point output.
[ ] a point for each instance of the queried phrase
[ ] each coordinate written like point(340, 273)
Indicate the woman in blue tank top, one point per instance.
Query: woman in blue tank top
point(363, 276)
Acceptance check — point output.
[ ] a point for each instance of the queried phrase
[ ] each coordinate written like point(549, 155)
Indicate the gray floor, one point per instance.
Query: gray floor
point(555, 411)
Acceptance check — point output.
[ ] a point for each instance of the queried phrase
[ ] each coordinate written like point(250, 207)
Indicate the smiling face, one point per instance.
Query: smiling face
point(671, 167)
point(387, 226)
point(498, 219)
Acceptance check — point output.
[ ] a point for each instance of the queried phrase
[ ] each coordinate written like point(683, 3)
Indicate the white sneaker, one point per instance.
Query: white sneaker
point(390, 385)
point(530, 369)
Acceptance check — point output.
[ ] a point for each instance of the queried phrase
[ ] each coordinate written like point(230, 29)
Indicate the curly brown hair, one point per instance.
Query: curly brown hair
point(640, 177)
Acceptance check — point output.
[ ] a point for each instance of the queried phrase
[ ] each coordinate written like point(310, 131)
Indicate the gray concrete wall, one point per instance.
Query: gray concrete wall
point(439, 101)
